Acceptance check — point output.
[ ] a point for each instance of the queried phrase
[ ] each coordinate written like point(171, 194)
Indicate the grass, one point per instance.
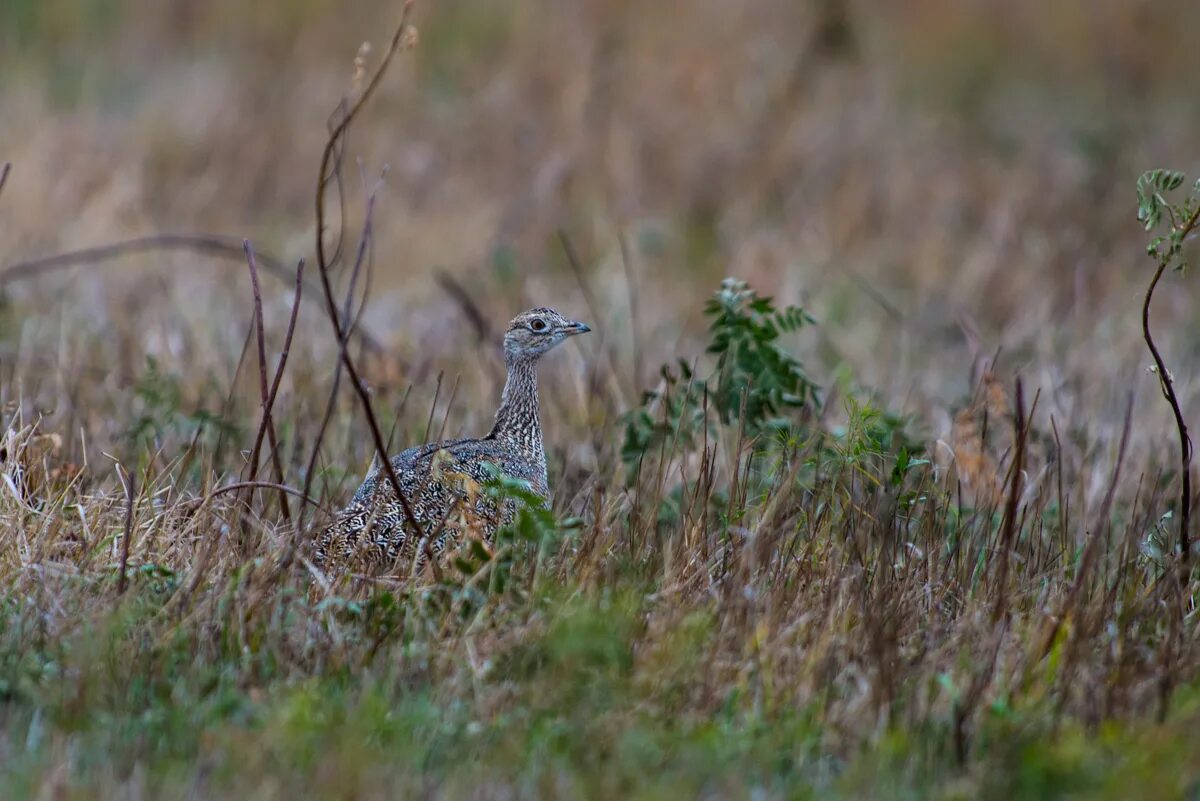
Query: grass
point(895, 518)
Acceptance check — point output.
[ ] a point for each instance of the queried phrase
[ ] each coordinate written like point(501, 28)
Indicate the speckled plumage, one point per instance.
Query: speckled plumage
point(442, 480)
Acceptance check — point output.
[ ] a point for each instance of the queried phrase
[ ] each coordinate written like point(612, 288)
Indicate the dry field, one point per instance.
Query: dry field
point(918, 541)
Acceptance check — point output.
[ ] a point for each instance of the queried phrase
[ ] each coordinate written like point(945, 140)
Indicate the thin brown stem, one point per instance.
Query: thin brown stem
point(130, 502)
point(244, 485)
point(267, 422)
point(1091, 551)
point(1167, 384)
point(283, 357)
point(220, 247)
point(344, 340)
point(335, 139)
point(1008, 531)
point(338, 134)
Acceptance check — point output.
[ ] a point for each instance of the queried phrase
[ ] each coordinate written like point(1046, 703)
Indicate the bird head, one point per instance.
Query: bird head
point(536, 331)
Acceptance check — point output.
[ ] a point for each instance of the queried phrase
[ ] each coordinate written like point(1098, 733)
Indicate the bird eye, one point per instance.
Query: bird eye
point(537, 325)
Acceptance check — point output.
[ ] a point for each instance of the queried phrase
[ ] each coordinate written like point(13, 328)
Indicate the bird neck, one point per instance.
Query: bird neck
point(517, 420)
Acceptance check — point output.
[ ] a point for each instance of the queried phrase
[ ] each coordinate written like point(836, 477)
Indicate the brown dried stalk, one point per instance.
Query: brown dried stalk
point(336, 137)
point(267, 423)
point(130, 501)
point(1009, 526)
point(359, 262)
point(241, 485)
point(1167, 383)
point(221, 247)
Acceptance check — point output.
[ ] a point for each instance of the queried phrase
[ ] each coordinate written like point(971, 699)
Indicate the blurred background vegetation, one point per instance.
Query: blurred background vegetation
point(952, 154)
point(972, 162)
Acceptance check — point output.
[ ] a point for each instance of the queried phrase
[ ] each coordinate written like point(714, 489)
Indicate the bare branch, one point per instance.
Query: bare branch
point(221, 247)
point(268, 394)
point(343, 340)
point(324, 266)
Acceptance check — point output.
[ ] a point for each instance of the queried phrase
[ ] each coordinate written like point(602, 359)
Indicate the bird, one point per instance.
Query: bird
point(442, 481)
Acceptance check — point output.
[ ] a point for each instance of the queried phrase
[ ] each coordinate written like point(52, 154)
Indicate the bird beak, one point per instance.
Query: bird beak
point(574, 327)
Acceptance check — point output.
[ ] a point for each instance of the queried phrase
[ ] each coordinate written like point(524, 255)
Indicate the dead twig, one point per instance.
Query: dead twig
point(324, 177)
point(284, 351)
point(243, 485)
point(344, 340)
point(266, 394)
point(1167, 383)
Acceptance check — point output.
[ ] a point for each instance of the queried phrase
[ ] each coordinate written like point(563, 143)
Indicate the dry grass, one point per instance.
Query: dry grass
point(949, 192)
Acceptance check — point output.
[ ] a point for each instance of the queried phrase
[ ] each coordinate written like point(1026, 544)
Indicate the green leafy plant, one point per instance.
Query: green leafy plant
point(534, 527)
point(879, 447)
point(755, 382)
point(683, 414)
point(163, 412)
point(1154, 206)
point(755, 378)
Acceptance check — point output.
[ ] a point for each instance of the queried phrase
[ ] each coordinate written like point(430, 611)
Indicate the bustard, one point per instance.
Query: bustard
point(442, 480)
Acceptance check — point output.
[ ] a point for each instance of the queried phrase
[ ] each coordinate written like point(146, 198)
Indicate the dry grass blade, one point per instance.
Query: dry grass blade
point(1009, 526)
point(241, 485)
point(470, 309)
point(127, 536)
point(1095, 540)
point(606, 345)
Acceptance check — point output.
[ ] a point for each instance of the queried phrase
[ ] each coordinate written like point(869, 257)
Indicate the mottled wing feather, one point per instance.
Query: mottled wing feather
point(442, 483)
